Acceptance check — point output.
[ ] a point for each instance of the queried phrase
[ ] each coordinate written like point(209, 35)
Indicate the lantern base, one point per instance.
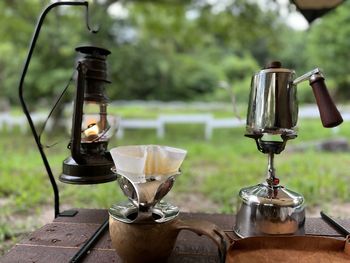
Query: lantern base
point(74, 173)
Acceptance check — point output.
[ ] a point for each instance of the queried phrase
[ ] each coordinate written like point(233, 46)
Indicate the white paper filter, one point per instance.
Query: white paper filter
point(136, 162)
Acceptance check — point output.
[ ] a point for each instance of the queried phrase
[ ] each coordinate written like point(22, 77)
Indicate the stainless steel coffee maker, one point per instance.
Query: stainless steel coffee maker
point(269, 208)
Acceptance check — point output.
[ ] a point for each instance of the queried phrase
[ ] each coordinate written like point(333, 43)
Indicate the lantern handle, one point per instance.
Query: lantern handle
point(77, 115)
point(21, 82)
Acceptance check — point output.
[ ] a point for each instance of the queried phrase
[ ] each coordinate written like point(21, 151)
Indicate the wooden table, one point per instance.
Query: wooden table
point(61, 239)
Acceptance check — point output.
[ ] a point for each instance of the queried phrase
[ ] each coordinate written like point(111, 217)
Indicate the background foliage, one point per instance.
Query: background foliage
point(170, 50)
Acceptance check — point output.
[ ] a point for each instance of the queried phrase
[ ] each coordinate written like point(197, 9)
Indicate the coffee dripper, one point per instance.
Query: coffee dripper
point(145, 174)
point(269, 208)
point(144, 228)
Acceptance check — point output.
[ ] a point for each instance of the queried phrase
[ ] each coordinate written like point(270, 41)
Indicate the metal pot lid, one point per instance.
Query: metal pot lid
point(128, 212)
point(262, 194)
point(275, 67)
point(275, 70)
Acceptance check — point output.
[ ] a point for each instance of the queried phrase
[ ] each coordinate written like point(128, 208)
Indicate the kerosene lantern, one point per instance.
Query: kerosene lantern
point(90, 162)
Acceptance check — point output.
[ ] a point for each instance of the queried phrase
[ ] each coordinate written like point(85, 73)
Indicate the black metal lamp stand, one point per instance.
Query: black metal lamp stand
point(21, 83)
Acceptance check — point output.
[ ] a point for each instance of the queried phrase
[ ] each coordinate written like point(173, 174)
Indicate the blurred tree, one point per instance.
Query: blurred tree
point(52, 62)
point(186, 45)
point(168, 50)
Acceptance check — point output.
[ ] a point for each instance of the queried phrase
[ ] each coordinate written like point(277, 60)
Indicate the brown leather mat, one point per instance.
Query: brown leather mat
point(298, 249)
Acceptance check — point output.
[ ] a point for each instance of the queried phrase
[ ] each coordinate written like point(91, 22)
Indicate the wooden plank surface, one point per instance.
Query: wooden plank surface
point(61, 239)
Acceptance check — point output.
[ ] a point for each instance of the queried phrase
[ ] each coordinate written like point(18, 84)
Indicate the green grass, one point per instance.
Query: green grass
point(217, 169)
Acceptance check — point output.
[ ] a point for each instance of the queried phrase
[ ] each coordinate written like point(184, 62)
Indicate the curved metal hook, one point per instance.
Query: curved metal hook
point(87, 19)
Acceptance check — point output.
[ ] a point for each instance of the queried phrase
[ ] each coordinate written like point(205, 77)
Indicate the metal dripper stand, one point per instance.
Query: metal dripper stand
point(146, 174)
point(145, 200)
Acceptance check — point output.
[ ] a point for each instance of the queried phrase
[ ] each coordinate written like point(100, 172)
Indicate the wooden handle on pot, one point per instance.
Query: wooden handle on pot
point(330, 116)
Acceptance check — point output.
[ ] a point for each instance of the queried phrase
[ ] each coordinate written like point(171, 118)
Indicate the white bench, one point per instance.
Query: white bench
point(223, 123)
point(8, 121)
point(138, 124)
point(160, 123)
point(184, 119)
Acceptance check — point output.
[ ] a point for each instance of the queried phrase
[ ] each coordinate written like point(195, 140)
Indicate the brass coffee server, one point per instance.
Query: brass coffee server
point(269, 208)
